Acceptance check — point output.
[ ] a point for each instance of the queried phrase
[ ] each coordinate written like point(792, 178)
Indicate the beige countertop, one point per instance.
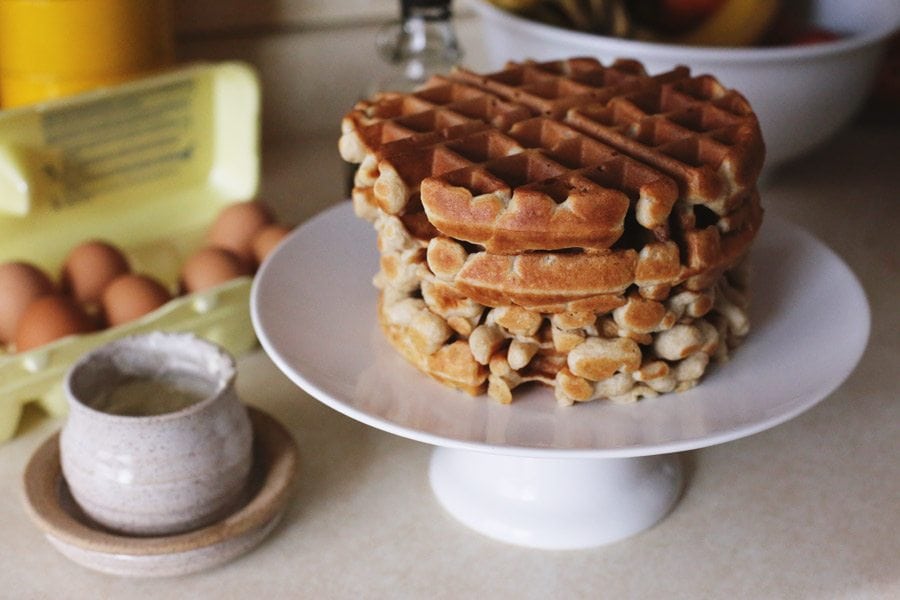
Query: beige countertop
point(809, 509)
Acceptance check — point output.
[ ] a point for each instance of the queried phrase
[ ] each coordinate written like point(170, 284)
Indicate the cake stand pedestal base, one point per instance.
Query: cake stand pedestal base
point(555, 503)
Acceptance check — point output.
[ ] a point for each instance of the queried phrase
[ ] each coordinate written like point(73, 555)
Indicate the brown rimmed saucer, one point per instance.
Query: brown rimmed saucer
point(52, 508)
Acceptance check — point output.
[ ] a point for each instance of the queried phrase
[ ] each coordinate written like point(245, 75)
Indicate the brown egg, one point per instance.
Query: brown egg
point(20, 284)
point(210, 267)
point(266, 240)
point(132, 296)
point(90, 267)
point(49, 318)
point(236, 226)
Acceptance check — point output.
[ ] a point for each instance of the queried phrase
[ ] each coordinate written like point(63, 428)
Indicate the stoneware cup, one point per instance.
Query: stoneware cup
point(156, 441)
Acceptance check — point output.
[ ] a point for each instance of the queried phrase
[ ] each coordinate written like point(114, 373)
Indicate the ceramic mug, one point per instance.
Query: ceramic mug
point(156, 441)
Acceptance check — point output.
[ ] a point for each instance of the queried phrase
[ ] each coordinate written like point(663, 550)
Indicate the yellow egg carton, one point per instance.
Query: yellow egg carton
point(146, 166)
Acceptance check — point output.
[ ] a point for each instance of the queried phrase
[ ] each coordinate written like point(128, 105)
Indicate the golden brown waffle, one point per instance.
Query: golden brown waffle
point(451, 133)
point(551, 282)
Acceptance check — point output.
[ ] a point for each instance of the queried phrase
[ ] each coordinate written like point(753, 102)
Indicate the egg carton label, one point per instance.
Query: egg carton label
point(118, 142)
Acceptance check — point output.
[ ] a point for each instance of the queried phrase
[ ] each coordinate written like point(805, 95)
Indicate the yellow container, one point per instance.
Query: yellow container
point(147, 166)
point(51, 48)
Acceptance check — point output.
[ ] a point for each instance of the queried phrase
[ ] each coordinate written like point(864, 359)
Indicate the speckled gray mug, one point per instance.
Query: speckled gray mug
point(156, 441)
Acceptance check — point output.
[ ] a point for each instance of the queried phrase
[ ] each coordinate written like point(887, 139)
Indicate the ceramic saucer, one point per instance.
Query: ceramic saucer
point(51, 506)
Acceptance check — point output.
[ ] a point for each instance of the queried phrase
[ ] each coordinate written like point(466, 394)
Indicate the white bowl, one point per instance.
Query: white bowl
point(801, 94)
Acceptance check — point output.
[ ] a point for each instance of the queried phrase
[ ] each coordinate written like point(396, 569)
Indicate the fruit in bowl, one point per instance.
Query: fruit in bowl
point(694, 22)
point(803, 93)
point(727, 23)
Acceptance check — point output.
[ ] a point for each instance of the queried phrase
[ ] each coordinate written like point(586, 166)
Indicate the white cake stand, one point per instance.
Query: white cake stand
point(533, 473)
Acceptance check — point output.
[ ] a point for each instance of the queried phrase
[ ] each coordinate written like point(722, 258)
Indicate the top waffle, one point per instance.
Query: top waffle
point(566, 181)
point(692, 130)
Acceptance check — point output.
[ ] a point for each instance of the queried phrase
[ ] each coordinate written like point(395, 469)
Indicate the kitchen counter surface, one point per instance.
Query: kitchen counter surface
point(809, 509)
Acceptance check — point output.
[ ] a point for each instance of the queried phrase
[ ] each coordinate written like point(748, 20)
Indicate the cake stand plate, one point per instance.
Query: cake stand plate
point(534, 473)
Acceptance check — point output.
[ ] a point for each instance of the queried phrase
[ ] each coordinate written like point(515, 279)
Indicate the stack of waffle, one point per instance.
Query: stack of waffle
point(574, 224)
